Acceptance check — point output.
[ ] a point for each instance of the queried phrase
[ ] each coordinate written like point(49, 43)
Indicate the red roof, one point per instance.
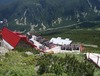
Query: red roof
point(13, 38)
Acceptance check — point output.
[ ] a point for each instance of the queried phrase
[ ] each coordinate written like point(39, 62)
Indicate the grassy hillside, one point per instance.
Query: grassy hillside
point(19, 64)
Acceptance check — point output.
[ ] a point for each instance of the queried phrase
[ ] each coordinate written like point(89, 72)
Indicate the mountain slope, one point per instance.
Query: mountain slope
point(43, 14)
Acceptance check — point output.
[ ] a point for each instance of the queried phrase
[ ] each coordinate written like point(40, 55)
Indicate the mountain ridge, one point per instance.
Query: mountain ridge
point(49, 13)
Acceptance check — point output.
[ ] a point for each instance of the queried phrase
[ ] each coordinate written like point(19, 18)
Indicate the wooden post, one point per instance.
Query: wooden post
point(98, 60)
point(88, 55)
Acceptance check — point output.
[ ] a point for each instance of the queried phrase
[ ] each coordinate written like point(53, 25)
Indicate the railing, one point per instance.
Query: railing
point(96, 60)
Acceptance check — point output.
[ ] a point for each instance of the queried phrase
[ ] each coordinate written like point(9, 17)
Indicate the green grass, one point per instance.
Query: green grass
point(97, 29)
point(97, 72)
point(81, 58)
point(18, 64)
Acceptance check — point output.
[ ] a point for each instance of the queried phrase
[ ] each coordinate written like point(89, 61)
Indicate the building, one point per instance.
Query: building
point(12, 40)
point(61, 41)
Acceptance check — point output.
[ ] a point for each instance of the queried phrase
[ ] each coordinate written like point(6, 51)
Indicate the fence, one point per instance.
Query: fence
point(94, 57)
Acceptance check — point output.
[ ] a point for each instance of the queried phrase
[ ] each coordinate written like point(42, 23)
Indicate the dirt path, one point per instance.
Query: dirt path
point(90, 45)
